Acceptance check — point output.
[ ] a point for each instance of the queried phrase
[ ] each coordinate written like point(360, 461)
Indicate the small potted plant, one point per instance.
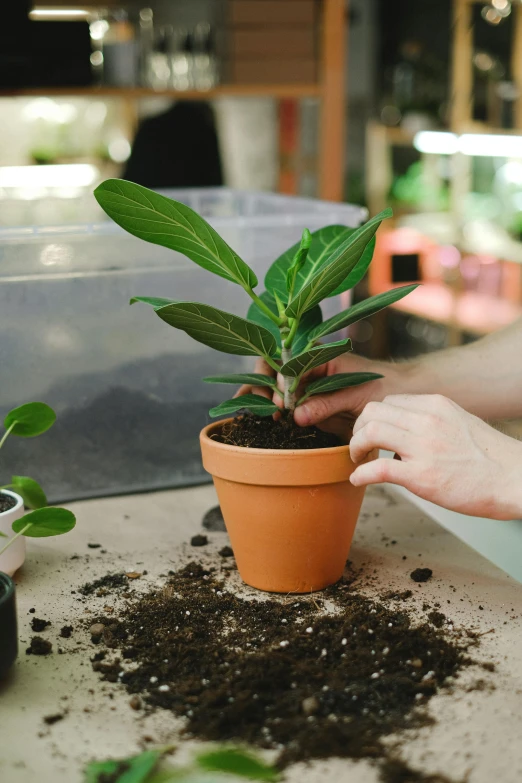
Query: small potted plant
point(290, 511)
point(27, 421)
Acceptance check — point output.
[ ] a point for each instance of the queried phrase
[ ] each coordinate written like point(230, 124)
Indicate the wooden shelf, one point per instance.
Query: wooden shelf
point(135, 93)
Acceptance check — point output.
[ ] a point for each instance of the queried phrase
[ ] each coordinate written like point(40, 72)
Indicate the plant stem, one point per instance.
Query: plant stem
point(271, 363)
point(17, 535)
point(6, 433)
point(293, 329)
point(289, 397)
point(264, 308)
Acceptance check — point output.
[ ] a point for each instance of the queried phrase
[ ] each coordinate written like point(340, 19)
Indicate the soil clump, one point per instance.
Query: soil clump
point(421, 574)
point(6, 502)
point(39, 646)
point(263, 432)
point(282, 673)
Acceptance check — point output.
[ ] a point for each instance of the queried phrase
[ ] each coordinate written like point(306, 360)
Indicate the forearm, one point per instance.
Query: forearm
point(484, 377)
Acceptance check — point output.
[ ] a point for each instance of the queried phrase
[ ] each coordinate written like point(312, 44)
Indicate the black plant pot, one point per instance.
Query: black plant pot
point(8, 629)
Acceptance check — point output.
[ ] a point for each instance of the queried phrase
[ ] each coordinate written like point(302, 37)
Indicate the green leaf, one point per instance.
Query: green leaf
point(361, 310)
point(324, 242)
point(132, 770)
point(217, 329)
point(252, 402)
point(30, 419)
point(299, 260)
point(155, 301)
point(46, 522)
point(253, 378)
point(309, 321)
point(314, 358)
point(332, 273)
point(3, 535)
point(29, 490)
point(358, 272)
point(259, 317)
point(340, 381)
point(161, 220)
point(237, 762)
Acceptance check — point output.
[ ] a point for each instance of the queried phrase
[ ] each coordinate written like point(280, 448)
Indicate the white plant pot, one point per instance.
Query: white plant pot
point(13, 557)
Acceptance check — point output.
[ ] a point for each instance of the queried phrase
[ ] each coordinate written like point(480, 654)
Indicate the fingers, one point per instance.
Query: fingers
point(382, 471)
point(423, 403)
point(317, 409)
point(380, 435)
point(389, 413)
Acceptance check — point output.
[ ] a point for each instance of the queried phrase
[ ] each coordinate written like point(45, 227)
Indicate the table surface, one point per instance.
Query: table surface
point(476, 733)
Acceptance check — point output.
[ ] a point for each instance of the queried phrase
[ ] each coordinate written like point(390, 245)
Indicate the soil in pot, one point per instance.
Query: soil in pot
point(281, 673)
point(6, 502)
point(263, 432)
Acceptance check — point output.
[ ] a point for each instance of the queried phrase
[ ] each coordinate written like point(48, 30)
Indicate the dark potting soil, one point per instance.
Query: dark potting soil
point(281, 673)
point(421, 574)
point(213, 520)
point(226, 551)
point(263, 432)
point(6, 502)
point(39, 646)
point(39, 625)
point(105, 584)
point(199, 540)
point(66, 631)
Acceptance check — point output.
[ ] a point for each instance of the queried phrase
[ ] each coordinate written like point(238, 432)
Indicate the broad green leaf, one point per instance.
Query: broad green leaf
point(252, 402)
point(46, 522)
point(237, 762)
point(132, 770)
point(161, 220)
point(30, 419)
point(217, 329)
point(299, 260)
point(340, 381)
point(358, 272)
point(361, 310)
point(324, 242)
point(29, 490)
point(309, 321)
point(253, 378)
point(258, 316)
point(155, 301)
point(326, 280)
point(314, 358)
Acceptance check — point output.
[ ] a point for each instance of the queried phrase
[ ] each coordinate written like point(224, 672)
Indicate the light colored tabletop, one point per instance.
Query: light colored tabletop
point(476, 732)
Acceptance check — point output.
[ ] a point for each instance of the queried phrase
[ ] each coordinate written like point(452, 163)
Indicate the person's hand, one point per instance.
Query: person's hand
point(447, 456)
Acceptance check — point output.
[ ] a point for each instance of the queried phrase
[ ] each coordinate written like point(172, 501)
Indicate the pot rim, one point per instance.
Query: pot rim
point(9, 588)
point(281, 453)
point(19, 502)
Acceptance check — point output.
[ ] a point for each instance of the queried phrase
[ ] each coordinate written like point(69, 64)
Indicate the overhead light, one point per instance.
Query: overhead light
point(67, 175)
point(57, 14)
point(489, 145)
point(436, 142)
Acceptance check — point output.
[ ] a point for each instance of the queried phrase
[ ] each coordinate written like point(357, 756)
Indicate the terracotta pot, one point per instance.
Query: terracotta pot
point(290, 515)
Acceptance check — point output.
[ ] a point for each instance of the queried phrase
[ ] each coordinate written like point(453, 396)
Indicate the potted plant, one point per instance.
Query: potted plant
point(26, 421)
point(290, 511)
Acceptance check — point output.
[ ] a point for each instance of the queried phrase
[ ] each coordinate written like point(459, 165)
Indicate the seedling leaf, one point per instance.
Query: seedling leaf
point(45, 522)
point(340, 381)
point(253, 378)
point(219, 330)
point(154, 301)
point(251, 402)
point(132, 770)
point(361, 310)
point(306, 361)
point(308, 322)
point(332, 273)
point(160, 220)
point(30, 491)
point(237, 762)
point(30, 419)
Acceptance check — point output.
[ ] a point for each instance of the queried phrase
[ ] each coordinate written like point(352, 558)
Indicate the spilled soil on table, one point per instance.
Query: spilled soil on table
point(312, 677)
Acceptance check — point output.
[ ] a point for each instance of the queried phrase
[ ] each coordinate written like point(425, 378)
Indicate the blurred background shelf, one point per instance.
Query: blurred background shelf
point(236, 90)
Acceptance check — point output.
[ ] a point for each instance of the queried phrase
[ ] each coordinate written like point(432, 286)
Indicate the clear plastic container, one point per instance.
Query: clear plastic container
point(126, 387)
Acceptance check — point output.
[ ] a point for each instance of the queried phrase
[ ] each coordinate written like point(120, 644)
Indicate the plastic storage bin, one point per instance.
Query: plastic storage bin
point(126, 387)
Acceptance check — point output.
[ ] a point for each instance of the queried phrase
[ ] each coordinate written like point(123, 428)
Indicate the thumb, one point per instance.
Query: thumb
point(317, 409)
